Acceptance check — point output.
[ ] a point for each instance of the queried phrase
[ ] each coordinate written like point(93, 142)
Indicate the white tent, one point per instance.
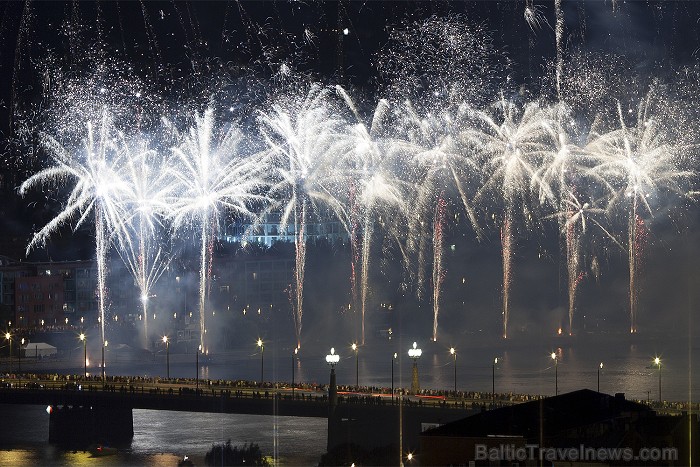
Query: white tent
point(38, 349)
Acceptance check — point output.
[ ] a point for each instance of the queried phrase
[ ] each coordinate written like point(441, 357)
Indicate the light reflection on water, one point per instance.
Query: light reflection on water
point(524, 366)
point(161, 438)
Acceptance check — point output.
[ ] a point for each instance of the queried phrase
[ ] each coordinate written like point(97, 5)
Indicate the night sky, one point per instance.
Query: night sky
point(230, 55)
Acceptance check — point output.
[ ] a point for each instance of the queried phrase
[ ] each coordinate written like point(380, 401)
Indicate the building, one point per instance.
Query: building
point(270, 230)
point(40, 294)
point(39, 300)
point(570, 428)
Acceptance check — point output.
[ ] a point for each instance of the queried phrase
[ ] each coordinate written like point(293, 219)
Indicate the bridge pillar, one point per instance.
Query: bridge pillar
point(82, 426)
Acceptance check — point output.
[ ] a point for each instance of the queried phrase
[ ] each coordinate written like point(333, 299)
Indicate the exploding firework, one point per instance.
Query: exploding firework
point(212, 175)
point(99, 190)
point(636, 163)
point(146, 205)
point(440, 158)
point(574, 219)
point(303, 136)
point(378, 192)
point(429, 146)
point(513, 149)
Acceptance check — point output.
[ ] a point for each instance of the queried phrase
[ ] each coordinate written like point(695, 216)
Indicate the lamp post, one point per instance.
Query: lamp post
point(453, 352)
point(393, 359)
point(8, 337)
point(493, 381)
point(104, 345)
point(600, 367)
point(262, 359)
point(332, 360)
point(84, 340)
point(556, 373)
point(19, 357)
point(357, 366)
point(294, 364)
point(414, 353)
point(657, 361)
point(196, 362)
point(167, 356)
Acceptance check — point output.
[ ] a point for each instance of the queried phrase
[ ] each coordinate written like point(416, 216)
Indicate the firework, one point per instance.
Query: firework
point(378, 192)
point(302, 136)
point(513, 148)
point(434, 145)
point(574, 219)
point(99, 190)
point(146, 205)
point(212, 173)
point(636, 163)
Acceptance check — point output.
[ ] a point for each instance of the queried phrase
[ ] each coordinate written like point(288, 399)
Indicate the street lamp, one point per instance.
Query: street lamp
point(556, 373)
point(167, 356)
point(20, 355)
point(453, 352)
point(294, 364)
point(657, 361)
point(8, 337)
point(196, 362)
point(262, 359)
point(414, 353)
point(600, 367)
point(332, 359)
point(104, 346)
point(357, 366)
point(393, 359)
point(493, 381)
point(84, 339)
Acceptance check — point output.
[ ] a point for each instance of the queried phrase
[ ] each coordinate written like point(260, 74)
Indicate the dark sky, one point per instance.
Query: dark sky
point(180, 48)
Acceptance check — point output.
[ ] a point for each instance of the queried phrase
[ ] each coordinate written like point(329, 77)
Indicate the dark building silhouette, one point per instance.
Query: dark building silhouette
point(584, 420)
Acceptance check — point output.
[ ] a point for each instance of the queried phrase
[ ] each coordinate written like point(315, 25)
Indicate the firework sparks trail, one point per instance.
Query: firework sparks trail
point(507, 257)
point(354, 246)
point(137, 239)
point(366, 244)
point(533, 16)
point(211, 177)
point(302, 137)
point(438, 267)
point(575, 275)
point(559, 38)
point(299, 268)
point(635, 163)
point(98, 189)
point(637, 235)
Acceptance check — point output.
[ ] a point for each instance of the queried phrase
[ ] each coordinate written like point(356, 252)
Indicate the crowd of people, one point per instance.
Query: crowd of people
point(283, 389)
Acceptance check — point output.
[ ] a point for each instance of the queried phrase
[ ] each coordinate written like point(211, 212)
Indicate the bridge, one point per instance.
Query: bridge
point(79, 408)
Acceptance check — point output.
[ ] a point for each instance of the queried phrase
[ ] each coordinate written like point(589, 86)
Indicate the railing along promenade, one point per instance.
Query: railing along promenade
point(202, 395)
point(210, 395)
